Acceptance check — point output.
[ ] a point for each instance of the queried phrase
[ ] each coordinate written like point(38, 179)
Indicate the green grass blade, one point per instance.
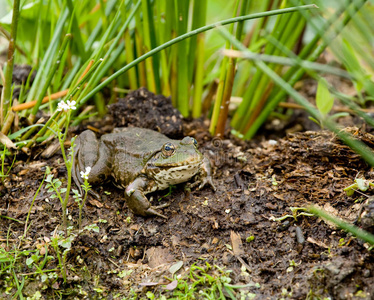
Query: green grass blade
point(310, 52)
point(48, 58)
point(221, 84)
point(197, 50)
point(225, 101)
point(78, 40)
point(182, 58)
point(358, 232)
point(151, 80)
point(48, 79)
point(185, 36)
point(365, 152)
point(6, 99)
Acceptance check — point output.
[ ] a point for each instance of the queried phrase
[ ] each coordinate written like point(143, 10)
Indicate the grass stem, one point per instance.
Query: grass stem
point(6, 99)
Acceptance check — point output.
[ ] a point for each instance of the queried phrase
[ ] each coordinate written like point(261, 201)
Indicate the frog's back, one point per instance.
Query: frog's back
point(139, 142)
point(133, 148)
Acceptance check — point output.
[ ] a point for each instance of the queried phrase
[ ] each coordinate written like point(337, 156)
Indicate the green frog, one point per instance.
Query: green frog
point(140, 161)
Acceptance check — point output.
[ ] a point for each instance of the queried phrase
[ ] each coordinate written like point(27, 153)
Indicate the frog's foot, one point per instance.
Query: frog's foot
point(138, 202)
point(203, 182)
point(151, 211)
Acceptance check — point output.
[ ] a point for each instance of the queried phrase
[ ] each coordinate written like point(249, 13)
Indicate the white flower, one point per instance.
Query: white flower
point(69, 105)
point(84, 175)
point(62, 106)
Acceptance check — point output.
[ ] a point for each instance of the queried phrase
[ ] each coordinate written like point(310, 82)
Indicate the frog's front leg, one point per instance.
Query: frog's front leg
point(136, 199)
point(205, 175)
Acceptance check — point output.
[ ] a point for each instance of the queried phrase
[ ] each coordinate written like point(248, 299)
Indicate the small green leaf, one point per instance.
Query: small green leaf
point(350, 192)
point(250, 239)
point(48, 170)
point(92, 227)
point(49, 178)
point(324, 100)
point(29, 261)
point(362, 184)
point(176, 267)
point(150, 295)
point(58, 184)
point(65, 243)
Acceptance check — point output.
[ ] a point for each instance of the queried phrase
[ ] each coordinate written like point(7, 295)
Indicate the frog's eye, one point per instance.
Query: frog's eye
point(168, 149)
point(189, 141)
point(194, 142)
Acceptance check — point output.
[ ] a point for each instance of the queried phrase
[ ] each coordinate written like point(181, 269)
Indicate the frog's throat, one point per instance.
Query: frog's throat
point(173, 175)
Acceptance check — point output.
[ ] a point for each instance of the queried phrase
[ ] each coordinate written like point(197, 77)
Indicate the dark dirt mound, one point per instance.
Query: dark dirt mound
point(142, 108)
point(296, 257)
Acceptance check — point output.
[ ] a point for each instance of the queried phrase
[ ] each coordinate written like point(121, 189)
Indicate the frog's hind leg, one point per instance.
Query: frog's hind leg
point(85, 155)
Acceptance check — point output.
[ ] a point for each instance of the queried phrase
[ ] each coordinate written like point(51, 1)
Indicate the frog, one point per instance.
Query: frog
point(140, 161)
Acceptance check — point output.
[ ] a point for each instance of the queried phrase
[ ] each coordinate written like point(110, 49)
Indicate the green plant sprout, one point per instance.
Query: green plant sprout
point(360, 184)
point(325, 103)
point(36, 260)
point(78, 197)
point(294, 215)
point(56, 241)
point(171, 188)
point(210, 282)
point(4, 174)
point(292, 265)
point(250, 238)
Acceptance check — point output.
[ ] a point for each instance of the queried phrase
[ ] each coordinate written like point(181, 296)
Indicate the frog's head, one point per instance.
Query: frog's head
point(176, 162)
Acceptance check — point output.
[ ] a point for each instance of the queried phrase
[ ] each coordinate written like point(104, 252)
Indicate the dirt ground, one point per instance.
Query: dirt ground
point(235, 228)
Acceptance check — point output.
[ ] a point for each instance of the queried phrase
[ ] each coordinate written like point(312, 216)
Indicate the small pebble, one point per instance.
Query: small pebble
point(366, 273)
point(299, 235)
point(271, 206)
point(284, 226)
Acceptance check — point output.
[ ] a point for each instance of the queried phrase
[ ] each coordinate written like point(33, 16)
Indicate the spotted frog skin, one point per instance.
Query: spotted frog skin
point(140, 161)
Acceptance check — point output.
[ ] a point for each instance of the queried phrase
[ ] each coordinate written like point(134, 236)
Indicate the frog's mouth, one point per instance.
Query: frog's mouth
point(193, 161)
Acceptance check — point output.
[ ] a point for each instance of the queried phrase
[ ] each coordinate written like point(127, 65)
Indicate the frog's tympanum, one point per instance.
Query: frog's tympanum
point(140, 161)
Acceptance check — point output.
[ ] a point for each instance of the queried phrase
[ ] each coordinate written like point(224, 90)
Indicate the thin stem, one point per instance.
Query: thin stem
point(31, 205)
point(68, 167)
point(81, 205)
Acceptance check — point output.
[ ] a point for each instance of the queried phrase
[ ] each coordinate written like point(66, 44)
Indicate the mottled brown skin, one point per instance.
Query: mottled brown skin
point(140, 161)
